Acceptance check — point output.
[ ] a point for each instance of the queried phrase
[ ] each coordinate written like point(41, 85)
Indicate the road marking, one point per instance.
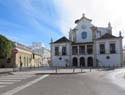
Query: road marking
point(3, 80)
point(1, 86)
point(16, 76)
point(15, 90)
point(6, 82)
point(12, 78)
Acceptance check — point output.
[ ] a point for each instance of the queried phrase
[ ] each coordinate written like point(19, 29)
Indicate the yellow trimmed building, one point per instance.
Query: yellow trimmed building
point(23, 56)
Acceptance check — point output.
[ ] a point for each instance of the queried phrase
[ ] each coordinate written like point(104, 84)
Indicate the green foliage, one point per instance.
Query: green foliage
point(5, 47)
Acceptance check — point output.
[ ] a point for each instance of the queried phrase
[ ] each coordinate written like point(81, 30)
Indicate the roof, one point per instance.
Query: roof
point(62, 40)
point(21, 46)
point(107, 36)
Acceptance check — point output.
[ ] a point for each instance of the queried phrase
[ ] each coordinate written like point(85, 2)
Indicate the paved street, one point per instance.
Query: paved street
point(9, 82)
point(89, 83)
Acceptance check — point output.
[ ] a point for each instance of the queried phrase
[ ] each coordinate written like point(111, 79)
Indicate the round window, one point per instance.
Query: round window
point(84, 35)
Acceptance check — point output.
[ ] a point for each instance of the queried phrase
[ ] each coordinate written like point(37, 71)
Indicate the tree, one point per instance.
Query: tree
point(5, 49)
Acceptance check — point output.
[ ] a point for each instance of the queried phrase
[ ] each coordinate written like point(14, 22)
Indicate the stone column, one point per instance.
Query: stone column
point(94, 29)
point(78, 56)
point(85, 56)
point(86, 65)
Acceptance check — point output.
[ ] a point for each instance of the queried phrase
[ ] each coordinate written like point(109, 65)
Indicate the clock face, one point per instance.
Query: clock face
point(84, 35)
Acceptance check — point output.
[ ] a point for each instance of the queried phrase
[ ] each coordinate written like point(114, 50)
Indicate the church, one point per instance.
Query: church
point(88, 46)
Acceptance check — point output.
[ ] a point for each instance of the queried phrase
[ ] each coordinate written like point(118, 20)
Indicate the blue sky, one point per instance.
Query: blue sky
point(28, 21)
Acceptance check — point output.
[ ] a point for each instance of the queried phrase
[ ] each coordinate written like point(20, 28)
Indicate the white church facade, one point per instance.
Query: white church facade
point(88, 46)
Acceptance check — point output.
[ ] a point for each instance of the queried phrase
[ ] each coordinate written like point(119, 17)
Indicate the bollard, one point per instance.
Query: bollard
point(98, 68)
point(73, 69)
point(56, 69)
point(81, 69)
point(90, 69)
point(30, 67)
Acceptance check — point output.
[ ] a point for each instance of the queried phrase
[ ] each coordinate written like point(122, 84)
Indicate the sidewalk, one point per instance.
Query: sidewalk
point(118, 77)
point(46, 70)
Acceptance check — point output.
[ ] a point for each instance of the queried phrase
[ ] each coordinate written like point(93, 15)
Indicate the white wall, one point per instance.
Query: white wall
point(114, 58)
point(87, 29)
point(56, 59)
point(102, 31)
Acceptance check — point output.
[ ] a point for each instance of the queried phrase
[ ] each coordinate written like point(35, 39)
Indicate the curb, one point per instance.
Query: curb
point(9, 72)
point(59, 73)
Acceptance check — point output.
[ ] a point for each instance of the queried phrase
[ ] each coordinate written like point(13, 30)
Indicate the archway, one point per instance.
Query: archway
point(82, 62)
point(75, 62)
point(90, 62)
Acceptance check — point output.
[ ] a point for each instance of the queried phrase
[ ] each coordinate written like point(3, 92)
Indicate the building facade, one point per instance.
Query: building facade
point(23, 55)
point(88, 46)
point(39, 49)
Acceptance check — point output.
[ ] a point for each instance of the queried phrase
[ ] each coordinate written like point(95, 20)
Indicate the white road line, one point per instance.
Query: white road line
point(1, 86)
point(13, 78)
point(6, 82)
point(16, 76)
point(15, 90)
point(1, 80)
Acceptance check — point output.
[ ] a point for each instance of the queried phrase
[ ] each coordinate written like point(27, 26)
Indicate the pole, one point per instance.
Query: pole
point(73, 69)
point(81, 69)
point(90, 69)
point(14, 62)
point(56, 69)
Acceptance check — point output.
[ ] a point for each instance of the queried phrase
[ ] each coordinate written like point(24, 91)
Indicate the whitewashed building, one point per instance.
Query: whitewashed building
point(39, 48)
point(88, 46)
